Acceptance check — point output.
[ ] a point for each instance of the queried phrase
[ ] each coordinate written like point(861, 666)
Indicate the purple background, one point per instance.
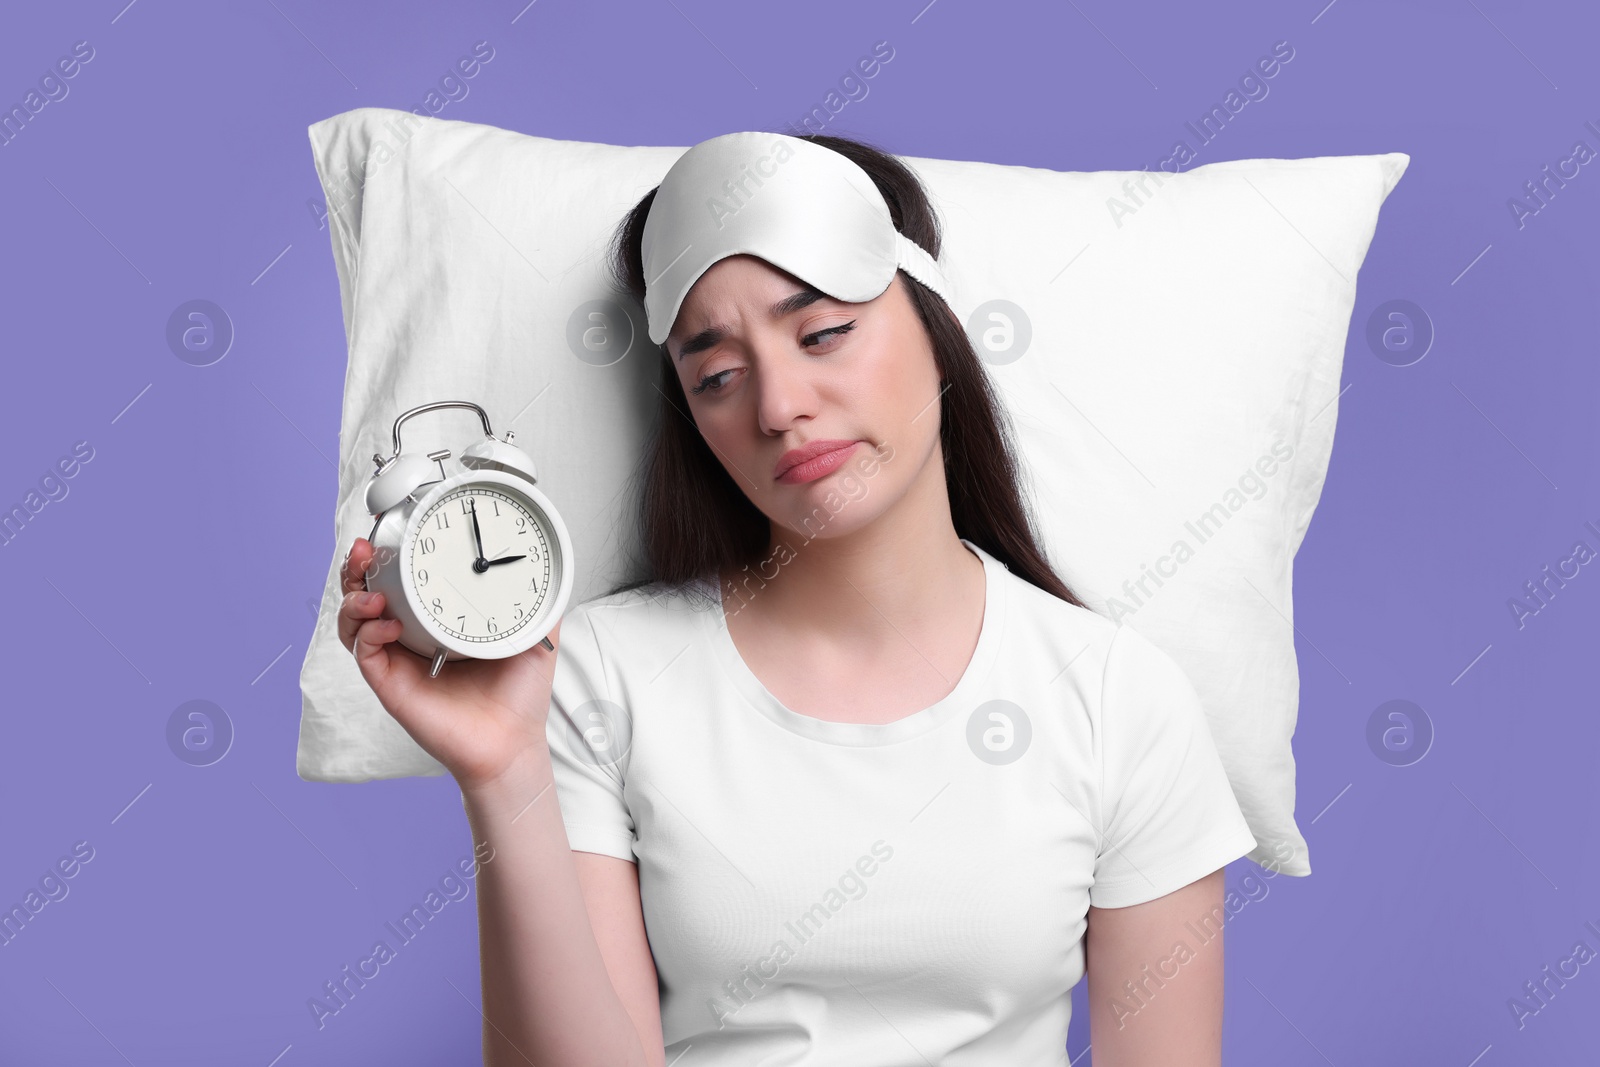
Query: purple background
point(180, 564)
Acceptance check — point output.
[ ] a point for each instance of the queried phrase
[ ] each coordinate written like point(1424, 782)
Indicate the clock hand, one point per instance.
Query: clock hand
point(502, 559)
point(477, 537)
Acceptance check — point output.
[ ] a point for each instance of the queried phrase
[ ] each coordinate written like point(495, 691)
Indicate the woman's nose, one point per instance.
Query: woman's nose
point(785, 389)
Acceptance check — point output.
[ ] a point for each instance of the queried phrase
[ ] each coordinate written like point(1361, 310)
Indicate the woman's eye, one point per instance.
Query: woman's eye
point(707, 380)
point(713, 383)
point(831, 331)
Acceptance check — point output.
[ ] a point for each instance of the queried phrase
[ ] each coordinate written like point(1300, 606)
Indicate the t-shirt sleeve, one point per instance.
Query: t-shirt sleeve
point(589, 736)
point(1168, 814)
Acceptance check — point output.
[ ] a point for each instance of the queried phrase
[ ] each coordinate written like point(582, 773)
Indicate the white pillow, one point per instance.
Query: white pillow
point(1169, 348)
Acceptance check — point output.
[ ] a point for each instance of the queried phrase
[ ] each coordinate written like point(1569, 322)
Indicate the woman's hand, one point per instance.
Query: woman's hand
point(477, 717)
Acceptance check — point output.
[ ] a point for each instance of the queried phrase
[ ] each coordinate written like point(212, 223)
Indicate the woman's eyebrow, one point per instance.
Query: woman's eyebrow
point(709, 336)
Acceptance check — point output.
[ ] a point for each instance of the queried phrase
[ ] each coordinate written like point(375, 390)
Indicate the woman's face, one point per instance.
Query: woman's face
point(769, 366)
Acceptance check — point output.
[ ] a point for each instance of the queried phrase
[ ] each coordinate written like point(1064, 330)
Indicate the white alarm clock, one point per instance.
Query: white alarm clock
point(474, 564)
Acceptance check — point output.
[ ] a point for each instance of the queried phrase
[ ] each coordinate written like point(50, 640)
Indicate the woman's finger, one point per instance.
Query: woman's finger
point(353, 573)
point(369, 641)
point(355, 611)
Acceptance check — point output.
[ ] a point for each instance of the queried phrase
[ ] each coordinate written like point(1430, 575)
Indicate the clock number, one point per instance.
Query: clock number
point(422, 579)
point(518, 606)
point(533, 553)
point(496, 504)
point(443, 520)
point(427, 545)
point(467, 505)
point(491, 624)
point(463, 627)
point(438, 608)
point(521, 525)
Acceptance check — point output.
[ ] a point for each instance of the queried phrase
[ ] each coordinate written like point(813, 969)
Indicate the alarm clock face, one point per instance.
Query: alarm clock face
point(484, 585)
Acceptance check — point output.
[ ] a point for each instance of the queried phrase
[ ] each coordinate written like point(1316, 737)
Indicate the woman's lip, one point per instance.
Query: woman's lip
point(809, 451)
point(818, 466)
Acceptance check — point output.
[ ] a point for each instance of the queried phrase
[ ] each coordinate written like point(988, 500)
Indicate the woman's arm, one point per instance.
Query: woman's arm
point(1150, 1001)
point(548, 992)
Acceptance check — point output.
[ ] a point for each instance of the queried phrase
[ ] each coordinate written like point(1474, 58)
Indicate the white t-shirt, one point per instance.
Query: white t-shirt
point(824, 893)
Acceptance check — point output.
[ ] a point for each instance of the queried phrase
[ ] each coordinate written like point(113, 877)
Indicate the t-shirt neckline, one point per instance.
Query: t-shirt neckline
point(958, 701)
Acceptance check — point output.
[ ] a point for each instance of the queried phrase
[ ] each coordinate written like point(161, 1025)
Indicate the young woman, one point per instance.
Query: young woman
point(851, 777)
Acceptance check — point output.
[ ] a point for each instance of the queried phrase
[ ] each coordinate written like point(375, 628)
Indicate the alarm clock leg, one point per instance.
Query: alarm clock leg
point(438, 662)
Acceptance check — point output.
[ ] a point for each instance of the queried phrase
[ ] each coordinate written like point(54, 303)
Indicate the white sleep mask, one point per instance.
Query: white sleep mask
point(803, 208)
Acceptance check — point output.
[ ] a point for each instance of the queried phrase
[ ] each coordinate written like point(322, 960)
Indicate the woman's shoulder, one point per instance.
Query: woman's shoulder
point(607, 639)
point(638, 609)
point(1112, 650)
point(1039, 610)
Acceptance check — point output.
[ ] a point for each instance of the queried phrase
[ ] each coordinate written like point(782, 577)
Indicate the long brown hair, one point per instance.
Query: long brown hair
point(696, 521)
